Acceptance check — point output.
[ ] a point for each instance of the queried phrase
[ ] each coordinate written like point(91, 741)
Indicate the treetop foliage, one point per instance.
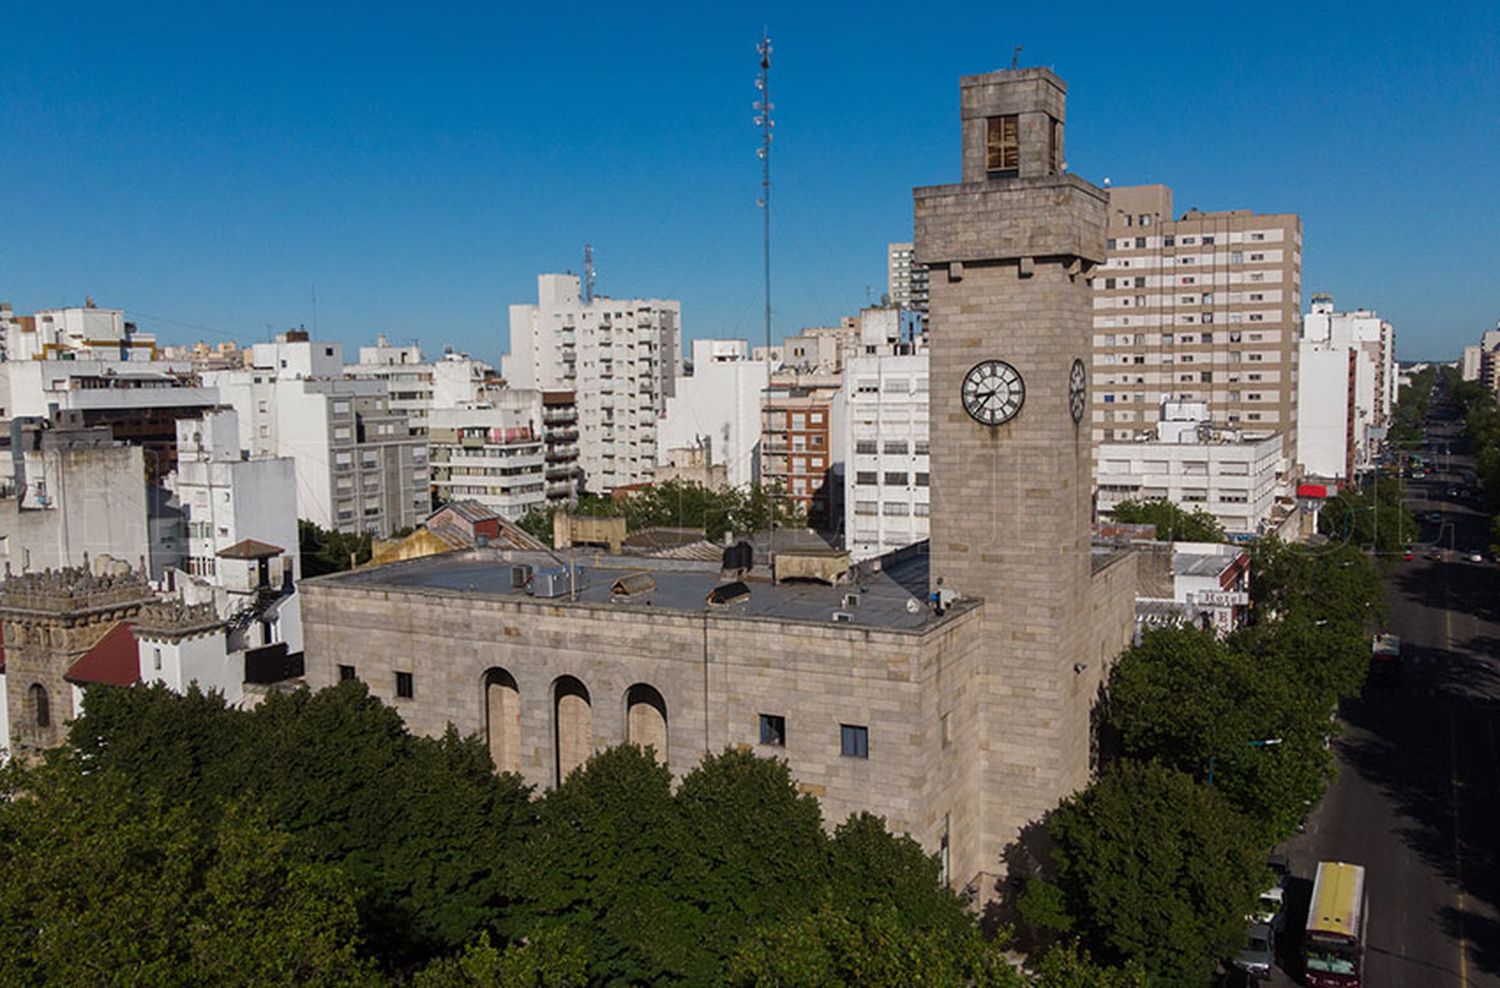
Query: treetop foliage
point(1173, 522)
point(680, 504)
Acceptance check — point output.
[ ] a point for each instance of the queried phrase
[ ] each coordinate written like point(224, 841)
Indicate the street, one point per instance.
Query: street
point(1417, 798)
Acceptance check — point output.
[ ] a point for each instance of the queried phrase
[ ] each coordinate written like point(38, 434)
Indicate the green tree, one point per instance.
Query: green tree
point(104, 884)
point(1220, 713)
point(1157, 870)
point(755, 852)
point(1370, 516)
point(549, 960)
point(325, 551)
point(1335, 584)
point(1070, 966)
point(1173, 523)
point(422, 826)
point(871, 868)
point(600, 868)
point(873, 947)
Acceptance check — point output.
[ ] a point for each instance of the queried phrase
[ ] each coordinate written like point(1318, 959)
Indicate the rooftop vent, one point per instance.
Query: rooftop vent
point(738, 559)
point(728, 593)
point(632, 585)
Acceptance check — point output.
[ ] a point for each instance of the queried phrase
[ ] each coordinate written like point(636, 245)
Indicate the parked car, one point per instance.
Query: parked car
point(1260, 950)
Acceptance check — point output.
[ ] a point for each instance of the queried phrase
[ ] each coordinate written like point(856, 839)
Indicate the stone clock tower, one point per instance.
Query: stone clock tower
point(1010, 252)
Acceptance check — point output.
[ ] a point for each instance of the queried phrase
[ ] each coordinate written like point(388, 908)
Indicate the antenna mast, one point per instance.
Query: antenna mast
point(588, 273)
point(764, 120)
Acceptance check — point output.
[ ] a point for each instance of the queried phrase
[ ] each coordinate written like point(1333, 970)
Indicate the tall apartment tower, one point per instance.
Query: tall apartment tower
point(1010, 253)
point(906, 278)
point(1204, 307)
point(621, 356)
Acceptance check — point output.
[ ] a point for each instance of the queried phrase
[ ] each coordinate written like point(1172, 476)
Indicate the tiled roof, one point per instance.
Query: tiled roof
point(114, 660)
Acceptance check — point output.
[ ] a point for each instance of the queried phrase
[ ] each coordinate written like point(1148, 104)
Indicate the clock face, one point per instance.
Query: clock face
point(993, 392)
point(1078, 389)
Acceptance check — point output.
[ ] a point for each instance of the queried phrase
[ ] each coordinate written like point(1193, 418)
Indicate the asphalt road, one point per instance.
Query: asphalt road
point(1417, 799)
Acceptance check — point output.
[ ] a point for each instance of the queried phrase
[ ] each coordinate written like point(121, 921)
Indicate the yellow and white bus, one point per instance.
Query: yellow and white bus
point(1333, 948)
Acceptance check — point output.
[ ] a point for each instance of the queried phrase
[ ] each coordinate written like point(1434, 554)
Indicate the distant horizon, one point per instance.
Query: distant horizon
point(232, 174)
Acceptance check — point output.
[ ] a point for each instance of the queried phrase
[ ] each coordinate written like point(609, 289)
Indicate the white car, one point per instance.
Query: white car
point(1268, 908)
point(1475, 557)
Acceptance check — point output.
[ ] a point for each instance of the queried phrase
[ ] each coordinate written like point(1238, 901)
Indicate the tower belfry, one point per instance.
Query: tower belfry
point(1010, 251)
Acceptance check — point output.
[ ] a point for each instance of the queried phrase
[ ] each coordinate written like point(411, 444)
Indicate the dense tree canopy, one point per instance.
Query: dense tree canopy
point(1372, 515)
point(315, 840)
point(1173, 523)
point(679, 504)
point(1156, 869)
point(325, 551)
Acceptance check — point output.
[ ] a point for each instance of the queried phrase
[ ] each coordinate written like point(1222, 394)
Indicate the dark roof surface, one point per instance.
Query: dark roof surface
point(892, 596)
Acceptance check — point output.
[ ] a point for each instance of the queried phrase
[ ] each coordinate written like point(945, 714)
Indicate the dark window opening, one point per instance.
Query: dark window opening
point(346, 673)
point(404, 687)
point(854, 741)
point(773, 730)
point(1002, 146)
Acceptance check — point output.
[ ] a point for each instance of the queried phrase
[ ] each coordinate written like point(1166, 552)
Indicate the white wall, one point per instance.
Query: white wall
point(721, 402)
point(1322, 411)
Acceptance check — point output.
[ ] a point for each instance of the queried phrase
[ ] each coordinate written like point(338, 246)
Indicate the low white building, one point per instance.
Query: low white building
point(885, 444)
point(1235, 480)
point(717, 407)
point(84, 332)
point(1203, 584)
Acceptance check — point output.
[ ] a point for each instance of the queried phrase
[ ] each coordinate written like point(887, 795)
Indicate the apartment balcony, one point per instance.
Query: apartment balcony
point(556, 454)
point(558, 492)
point(560, 417)
point(560, 471)
point(561, 436)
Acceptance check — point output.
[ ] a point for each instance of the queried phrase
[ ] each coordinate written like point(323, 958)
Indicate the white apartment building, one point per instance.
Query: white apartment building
point(493, 454)
point(1188, 462)
point(906, 279)
point(1347, 380)
point(226, 497)
point(885, 412)
point(717, 408)
point(418, 386)
point(81, 332)
point(621, 357)
point(1204, 308)
point(358, 468)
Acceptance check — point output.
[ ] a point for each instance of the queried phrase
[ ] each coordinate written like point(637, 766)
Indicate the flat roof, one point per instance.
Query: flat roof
point(892, 597)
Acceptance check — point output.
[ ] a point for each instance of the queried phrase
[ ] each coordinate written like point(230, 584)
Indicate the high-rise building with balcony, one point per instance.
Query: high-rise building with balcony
point(621, 357)
point(906, 278)
point(1202, 307)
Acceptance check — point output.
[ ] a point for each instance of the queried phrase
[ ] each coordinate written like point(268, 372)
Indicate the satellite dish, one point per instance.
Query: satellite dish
point(912, 606)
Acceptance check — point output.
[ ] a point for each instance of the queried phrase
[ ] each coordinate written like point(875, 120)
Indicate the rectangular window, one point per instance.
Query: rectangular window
point(920, 509)
point(1140, 282)
point(1140, 242)
point(1169, 242)
point(1002, 146)
point(895, 478)
point(867, 477)
point(895, 447)
point(943, 731)
point(922, 479)
point(1208, 238)
point(920, 447)
point(346, 673)
point(405, 689)
point(773, 730)
point(157, 654)
point(854, 741)
point(866, 447)
point(1109, 282)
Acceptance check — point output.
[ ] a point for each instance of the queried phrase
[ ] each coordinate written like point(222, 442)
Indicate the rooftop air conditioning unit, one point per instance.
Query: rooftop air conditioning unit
point(556, 581)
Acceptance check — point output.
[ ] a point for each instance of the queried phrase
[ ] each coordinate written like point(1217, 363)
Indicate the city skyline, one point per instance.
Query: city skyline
point(212, 179)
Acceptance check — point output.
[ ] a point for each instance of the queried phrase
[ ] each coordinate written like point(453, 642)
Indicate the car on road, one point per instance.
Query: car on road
point(1259, 952)
point(1408, 555)
point(1435, 554)
point(1475, 557)
point(1435, 517)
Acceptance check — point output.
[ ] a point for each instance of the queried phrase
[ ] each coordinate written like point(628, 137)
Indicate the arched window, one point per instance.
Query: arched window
point(646, 719)
point(572, 725)
point(502, 719)
point(41, 707)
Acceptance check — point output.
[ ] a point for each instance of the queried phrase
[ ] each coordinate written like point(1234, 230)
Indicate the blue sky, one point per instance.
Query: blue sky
point(416, 166)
